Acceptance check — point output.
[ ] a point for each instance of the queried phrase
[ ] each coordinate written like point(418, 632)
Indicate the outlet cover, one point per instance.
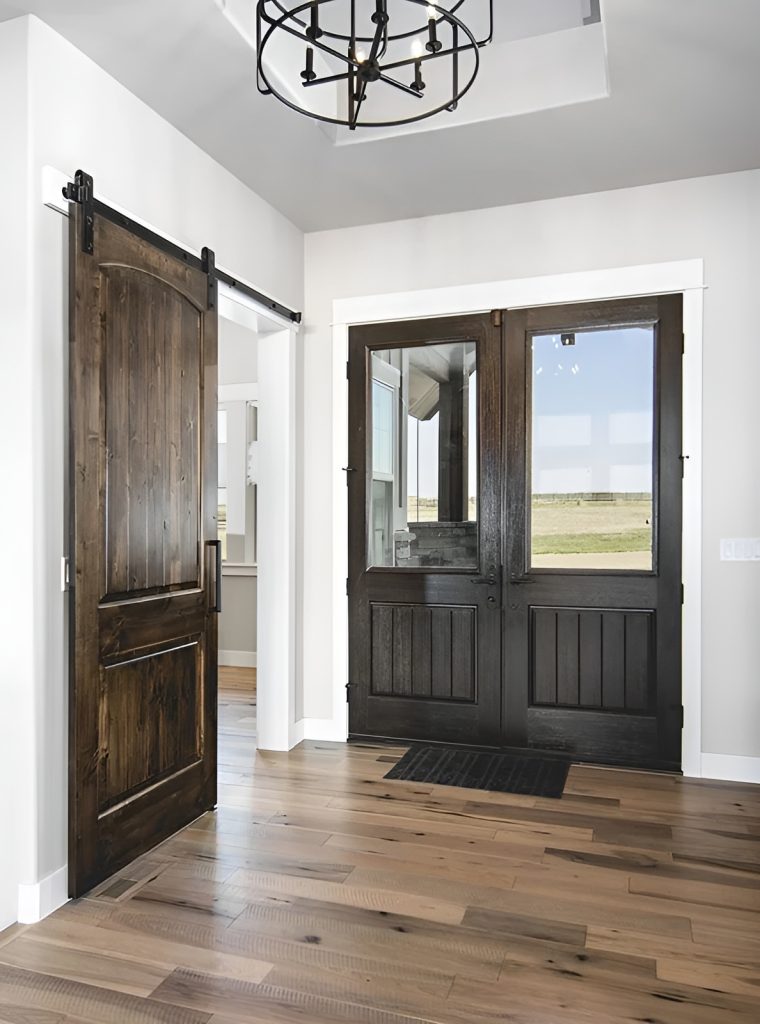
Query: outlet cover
point(740, 549)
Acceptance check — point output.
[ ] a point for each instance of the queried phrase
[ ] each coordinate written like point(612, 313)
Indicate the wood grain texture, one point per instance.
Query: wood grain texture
point(423, 652)
point(143, 651)
point(595, 660)
point(321, 892)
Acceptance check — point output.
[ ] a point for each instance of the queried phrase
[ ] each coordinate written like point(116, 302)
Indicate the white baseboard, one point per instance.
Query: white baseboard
point(324, 729)
point(42, 898)
point(295, 735)
point(731, 767)
point(238, 659)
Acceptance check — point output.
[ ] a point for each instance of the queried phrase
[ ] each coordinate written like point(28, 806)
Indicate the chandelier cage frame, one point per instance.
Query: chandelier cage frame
point(302, 22)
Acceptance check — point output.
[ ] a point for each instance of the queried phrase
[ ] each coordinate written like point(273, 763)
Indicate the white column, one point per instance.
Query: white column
point(276, 660)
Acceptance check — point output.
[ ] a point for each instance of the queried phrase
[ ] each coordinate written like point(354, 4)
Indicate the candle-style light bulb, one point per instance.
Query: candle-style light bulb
point(417, 51)
point(433, 44)
point(361, 56)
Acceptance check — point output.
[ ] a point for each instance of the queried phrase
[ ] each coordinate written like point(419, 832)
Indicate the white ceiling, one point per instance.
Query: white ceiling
point(684, 81)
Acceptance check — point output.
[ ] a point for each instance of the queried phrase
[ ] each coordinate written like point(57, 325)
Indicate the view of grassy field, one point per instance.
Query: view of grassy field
point(425, 510)
point(601, 532)
point(607, 533)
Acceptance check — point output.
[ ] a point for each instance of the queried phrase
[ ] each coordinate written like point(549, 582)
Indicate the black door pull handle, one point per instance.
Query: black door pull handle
point(218, 576)
point(522, 581)
point(490, 579)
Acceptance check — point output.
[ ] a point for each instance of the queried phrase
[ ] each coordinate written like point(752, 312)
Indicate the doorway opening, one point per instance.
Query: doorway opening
point(242, 531)
point(515, 530)
point(237, 522)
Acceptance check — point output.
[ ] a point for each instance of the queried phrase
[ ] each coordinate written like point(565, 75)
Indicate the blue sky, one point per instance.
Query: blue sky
point(593, 412)
point(592, 416)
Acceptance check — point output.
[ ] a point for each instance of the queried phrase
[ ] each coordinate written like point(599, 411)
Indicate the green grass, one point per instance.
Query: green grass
point(592, 543)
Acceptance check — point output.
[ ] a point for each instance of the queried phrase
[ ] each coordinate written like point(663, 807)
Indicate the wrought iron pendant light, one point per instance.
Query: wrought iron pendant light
point(358, 47)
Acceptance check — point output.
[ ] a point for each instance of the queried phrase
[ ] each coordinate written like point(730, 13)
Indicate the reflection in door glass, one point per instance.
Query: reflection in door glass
point(592, 449)
point(422, 457)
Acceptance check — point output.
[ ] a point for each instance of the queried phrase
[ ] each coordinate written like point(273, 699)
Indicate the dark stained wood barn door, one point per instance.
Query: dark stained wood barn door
point(143, 367)
point(424, 536)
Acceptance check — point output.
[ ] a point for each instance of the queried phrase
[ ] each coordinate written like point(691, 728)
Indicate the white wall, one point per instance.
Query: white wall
point(17, 521)
point(237, 623)
point(78, 117)
point(717, 219)
point(238, 353)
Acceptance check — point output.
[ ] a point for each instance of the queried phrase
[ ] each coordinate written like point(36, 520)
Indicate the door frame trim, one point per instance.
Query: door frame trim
point(684, 276)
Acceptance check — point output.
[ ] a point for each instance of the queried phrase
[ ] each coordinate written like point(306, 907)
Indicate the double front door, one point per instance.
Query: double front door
point(515, 530)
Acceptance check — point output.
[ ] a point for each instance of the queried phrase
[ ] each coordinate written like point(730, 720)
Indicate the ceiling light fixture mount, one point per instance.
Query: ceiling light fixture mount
point(354, 46)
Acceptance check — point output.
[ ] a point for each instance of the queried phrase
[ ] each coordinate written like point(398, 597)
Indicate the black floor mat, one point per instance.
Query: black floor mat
point(472, 769)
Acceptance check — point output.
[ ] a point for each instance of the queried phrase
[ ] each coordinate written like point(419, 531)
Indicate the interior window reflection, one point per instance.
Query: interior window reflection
point(423, 456)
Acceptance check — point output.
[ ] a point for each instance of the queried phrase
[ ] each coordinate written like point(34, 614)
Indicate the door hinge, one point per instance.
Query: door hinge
point(683, 594)
point(683, 343)
point(496, 317)
point(65, 574)
point(681, 715)
point(82, 191)
point(348, 370)
point(208, 265)
point(348, 692)
point(348, 587)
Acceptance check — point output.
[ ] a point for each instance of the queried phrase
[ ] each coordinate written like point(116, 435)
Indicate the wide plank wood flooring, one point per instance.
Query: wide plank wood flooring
point(320, 893)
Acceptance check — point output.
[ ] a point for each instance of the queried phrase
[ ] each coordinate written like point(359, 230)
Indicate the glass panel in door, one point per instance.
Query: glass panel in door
point(592, 444)
point(422, 457)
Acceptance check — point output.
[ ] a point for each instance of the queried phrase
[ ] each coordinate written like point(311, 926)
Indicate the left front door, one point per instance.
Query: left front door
point(143, 365)
point(424, 530)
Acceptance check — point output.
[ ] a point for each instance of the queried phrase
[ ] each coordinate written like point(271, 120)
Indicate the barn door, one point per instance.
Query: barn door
point(143, 367)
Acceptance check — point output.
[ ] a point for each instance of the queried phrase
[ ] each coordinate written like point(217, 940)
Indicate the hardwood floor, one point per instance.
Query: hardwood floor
point(234, 678)
point(320, 893)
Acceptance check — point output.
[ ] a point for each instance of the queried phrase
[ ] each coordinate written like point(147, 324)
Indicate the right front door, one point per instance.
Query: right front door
point(592, 652)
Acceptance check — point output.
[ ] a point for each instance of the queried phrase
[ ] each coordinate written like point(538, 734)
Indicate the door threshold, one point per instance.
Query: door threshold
point(655, 768)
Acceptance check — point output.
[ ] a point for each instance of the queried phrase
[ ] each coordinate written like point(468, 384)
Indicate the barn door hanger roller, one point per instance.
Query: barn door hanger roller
point(82, 191)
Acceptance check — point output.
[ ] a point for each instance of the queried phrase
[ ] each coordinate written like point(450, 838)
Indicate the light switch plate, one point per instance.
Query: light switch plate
point(740, 549)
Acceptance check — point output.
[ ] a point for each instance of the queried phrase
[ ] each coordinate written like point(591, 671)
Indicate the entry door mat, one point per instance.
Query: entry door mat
point(473, 769)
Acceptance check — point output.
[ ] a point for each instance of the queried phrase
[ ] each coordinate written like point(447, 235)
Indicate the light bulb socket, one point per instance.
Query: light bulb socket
point(309, 74)
point(314, 31)
point(433, 45)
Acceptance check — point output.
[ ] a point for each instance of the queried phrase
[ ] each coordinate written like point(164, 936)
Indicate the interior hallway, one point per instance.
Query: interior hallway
point(320, 893)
